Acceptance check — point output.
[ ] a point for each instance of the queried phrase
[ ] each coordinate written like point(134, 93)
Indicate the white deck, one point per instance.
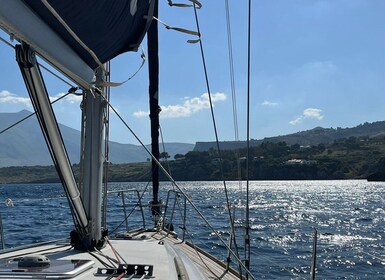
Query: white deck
point(168, 256)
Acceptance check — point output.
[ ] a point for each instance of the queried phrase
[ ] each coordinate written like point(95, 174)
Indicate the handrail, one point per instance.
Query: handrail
point(139, 203)
point(177, 195)
point(2, 233)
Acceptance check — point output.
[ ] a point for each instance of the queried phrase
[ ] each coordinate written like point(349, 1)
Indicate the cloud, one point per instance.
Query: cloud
point(187, 108)
point(71, 98)
point(313, 113)
point(141, 114)
point(7, 97)
point(309, 113)
point(269, 104)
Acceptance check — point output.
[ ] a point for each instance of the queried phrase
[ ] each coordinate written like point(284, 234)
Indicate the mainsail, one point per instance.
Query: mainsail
point(76, 37)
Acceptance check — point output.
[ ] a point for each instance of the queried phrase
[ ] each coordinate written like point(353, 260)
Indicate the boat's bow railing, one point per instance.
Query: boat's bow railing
point(2, 243)
point(167, 224)
point(124, 194)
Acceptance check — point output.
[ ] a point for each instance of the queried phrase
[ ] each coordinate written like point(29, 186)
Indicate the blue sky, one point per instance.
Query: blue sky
point(314, 63)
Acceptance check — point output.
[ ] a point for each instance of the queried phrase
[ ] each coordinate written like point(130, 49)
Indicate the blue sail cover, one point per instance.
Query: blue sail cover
point(107, 27)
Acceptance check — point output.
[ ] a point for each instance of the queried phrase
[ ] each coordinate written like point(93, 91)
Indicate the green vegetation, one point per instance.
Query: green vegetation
point(348, 158)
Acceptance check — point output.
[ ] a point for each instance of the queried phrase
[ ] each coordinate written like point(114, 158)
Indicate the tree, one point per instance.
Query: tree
point(164, 155)
point(178, 156)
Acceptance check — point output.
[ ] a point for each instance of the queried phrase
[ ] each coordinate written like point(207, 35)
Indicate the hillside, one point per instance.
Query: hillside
point(348, 158)
point(310, 137)
point(24, 145)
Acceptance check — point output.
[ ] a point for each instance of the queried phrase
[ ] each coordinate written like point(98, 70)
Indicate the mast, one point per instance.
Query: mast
point(91, 162)
point(153, 69)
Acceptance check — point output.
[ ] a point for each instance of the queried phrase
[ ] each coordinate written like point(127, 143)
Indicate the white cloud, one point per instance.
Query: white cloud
point(71, 98)
point(7, 97)
point(187, 108)
point(313, 113)
point(296, 121)
point(141, 114)
point(269, 104)
point(10, 98)
point(309, 113)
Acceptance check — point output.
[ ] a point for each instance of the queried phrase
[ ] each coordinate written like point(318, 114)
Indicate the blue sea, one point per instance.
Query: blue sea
point(349, 216)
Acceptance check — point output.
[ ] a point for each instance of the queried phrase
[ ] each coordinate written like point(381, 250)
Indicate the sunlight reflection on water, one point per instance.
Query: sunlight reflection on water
point(349, 215)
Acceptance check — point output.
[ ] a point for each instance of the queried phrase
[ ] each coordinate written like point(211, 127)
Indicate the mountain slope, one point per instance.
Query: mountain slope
point(24, 145)
point(310, 137)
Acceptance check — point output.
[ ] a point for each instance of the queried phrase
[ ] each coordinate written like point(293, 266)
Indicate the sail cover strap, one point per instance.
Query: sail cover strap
point(181, 5)
point(179, 29)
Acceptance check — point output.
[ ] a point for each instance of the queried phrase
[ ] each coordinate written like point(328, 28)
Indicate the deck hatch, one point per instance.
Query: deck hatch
point(59, 269)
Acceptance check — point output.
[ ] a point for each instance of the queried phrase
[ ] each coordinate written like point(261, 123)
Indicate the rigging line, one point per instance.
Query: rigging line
point(164, 150)
point(116, 252)
point(73, 34)
point(174, 182)
point(113, 249)
point(231, 62)
point(41, 65)
point(235, 113)
point(30, 115)
point(100, 260)
point(6, 42)
point(247, 226)
point(111, 260)
point(169, 168)
point(56, 75)
point(233, 93)
point(215, 127)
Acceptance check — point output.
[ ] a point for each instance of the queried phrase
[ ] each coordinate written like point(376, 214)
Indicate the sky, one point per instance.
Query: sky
point(313, 63)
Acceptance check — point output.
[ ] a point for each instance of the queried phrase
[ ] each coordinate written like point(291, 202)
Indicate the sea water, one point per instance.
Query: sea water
point(349, 216)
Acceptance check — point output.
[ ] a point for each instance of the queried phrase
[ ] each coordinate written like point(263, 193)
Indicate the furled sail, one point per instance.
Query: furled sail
point(77, 36)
